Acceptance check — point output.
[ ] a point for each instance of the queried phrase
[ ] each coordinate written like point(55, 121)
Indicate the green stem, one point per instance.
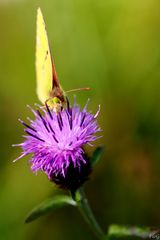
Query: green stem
point(87, 213)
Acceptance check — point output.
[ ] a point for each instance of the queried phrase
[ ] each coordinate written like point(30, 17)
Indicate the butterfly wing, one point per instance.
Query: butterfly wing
point(45, 70)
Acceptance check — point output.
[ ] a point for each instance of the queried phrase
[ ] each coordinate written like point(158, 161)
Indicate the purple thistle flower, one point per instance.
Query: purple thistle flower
point(56, 142)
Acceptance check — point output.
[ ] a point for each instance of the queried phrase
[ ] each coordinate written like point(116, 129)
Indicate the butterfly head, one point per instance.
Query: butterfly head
point(55, 104)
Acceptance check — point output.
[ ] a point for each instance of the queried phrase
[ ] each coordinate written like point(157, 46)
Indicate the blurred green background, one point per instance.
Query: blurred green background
point(113, 46)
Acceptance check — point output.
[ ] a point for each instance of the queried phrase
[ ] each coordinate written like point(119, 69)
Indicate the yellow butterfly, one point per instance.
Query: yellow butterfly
point(48, 88)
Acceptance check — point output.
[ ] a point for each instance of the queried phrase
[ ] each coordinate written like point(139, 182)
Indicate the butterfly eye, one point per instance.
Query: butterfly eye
point(56, 100)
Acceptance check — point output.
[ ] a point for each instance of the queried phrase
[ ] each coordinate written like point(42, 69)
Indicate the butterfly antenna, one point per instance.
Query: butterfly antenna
point(78, 89)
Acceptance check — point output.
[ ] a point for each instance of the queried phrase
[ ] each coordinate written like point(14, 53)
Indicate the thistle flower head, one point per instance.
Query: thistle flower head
point(56, 142)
